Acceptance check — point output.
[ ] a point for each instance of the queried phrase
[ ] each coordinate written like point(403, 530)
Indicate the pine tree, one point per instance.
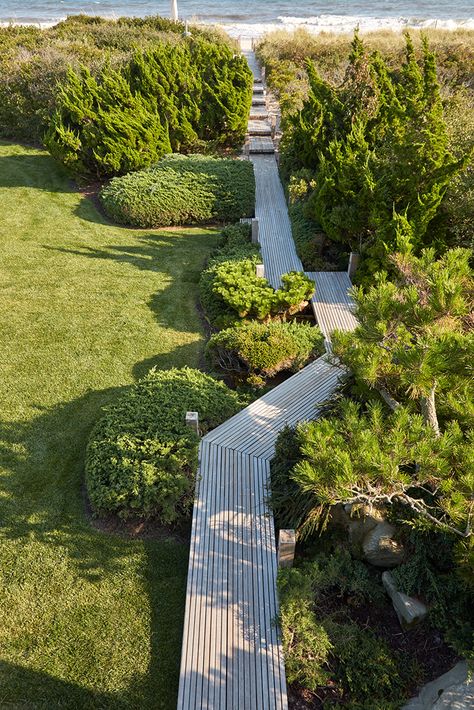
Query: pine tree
point(415, 339)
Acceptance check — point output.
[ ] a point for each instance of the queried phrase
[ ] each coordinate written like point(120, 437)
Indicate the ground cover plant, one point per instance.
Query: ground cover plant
point(374, 134)
point(142, 457)
point(342, 640)
point(90, 618)
point(182, 190)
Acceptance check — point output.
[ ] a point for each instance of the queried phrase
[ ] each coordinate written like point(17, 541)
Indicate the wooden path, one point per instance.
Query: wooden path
point(231, 656)
point(331, 302)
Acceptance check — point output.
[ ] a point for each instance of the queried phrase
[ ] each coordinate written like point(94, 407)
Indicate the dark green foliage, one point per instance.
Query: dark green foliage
point(368, 668)
point(159, 100)
point(103, 128)
point(373, 459)
point(305, 641)
point(432, 572)
point(415, 338)
point(34, 61)
point(141, 457)
point(182, 190)
point(290, 505)
point(323, 646)
point(378, 147)
point(263, 349)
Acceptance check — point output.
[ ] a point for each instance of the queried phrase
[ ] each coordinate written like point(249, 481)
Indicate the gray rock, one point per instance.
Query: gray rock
point(410, 611)
point(379, 547)
point(451, 691)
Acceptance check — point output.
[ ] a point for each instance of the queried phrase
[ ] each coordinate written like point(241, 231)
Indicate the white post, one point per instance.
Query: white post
point(254, 231)
point(192, 421)
point(174, 10)
point(286, 548)
point(260, 271)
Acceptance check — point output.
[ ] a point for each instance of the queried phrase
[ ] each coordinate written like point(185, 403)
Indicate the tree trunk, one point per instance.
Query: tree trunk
point(387, 397)
point(428, 410)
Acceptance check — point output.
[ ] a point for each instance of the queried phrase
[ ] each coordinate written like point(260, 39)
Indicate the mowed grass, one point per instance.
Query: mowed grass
point(88, 619)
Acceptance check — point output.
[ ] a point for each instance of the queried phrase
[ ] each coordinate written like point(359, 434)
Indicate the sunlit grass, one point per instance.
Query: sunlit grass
point(89, 620)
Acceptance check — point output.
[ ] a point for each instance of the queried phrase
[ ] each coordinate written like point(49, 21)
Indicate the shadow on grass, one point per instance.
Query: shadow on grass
point(34, 168)
point(176, 269)
point(43, 502)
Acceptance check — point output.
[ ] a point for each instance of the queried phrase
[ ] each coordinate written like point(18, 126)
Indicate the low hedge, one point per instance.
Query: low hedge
point(141, 457)
point(182, 190)
point(263, 349)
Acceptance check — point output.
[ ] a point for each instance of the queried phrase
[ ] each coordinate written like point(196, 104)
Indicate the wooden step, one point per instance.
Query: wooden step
point(261, 144)
point(258, 101)
point(258, 113)
point(259, 128)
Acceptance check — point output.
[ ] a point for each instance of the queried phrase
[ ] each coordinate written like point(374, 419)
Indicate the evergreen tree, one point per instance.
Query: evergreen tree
point(415, 338)
point(368, 459)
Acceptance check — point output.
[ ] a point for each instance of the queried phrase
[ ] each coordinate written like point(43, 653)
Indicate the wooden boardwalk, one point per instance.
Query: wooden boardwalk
point(231, 655)
point(332, 305)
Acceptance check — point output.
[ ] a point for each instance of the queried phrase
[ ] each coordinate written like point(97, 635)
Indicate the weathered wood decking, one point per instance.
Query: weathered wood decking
point(232, 657)
point(332, 305)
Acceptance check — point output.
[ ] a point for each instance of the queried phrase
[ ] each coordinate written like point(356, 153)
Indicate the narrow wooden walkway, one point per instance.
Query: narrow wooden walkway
point(332, 305)
point(231, 656)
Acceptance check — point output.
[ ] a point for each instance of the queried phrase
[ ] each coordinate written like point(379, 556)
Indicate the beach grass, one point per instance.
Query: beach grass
point(89, 619)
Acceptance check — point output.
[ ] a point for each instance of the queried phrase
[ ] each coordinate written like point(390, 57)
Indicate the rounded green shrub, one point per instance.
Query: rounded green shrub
point(236, 246)
point(265, 348)
point(182, 190)
point(141, 457)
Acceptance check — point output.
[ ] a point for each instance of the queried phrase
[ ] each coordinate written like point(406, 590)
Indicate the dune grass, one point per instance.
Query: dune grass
point(89, 619)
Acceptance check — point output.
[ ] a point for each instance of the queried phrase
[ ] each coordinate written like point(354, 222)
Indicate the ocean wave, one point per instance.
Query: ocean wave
point(344, 24)
point(316, 24)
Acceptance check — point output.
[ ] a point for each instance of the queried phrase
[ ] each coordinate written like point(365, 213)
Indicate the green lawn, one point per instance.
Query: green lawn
point(88, 620)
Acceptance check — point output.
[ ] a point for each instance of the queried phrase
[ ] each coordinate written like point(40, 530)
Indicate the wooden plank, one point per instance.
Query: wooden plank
point(232, 655)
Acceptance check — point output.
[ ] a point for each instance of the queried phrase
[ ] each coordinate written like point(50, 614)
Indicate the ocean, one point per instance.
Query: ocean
point(242, 17)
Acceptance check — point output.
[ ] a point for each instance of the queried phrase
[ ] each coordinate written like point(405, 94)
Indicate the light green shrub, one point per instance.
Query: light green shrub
point(264, 348)
point(251, 296)
point(182, 190)
point(141, 457)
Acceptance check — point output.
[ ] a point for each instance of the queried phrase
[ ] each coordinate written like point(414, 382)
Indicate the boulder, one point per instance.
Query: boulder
point(410, 611)
point(380, 548)
point(451, 691)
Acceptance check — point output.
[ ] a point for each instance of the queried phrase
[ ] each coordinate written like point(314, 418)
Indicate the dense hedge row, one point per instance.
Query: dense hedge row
point(171, 97)
point(142, 458)
point(182, 190)
point(34, 61)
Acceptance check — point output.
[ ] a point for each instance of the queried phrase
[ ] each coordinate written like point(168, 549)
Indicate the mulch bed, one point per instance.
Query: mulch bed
point(423, 645)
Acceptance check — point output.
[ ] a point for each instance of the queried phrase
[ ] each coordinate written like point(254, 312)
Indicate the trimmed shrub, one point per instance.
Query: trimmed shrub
point(264, 349)
point(251, 296)
point(182, 190)
point(141, 457)
point(236, 246)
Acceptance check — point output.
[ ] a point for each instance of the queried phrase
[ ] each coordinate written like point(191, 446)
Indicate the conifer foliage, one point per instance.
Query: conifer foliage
point(169, 98)
point(378, 148)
